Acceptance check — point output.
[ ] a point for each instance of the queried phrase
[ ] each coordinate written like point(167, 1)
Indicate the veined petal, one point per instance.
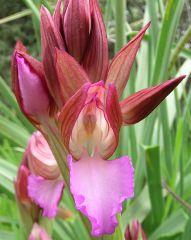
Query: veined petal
point(40, 158)
point(120, 66)
point(77, 27)
point(113, 112)
point(57, 18)
point(99, 188)
point(29, 87)
point(50, 39)
point(71, 75)
point(45, 193)
point(95, 61)
point(21, 185)
point(139, 105)
point(71, 111)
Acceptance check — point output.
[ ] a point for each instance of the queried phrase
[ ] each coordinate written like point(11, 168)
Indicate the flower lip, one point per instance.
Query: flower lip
point(93, 181)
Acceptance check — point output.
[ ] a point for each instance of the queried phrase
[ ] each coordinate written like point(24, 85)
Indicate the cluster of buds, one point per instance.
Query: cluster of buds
point(77, 88)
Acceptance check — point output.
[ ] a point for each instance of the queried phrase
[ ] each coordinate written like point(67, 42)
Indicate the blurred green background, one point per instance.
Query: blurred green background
point(160, 147)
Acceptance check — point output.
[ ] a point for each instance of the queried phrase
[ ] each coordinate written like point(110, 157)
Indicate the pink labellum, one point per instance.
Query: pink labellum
point(46, 194)
point(99, 188)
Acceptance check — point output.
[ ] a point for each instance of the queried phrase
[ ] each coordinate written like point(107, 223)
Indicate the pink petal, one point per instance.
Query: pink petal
point(99, 187)
point(77, 27)
point(95, 61)
point(139, 105)
point(120, 66)
point(32, 95)
point(45, 193)
point(71, 75)
point(57, 15)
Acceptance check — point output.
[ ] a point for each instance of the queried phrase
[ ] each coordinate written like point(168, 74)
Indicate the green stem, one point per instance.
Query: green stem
point(180, 45)
point(120, 24)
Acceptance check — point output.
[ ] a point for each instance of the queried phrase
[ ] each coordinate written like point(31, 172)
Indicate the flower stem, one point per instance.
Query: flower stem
point(120, 24)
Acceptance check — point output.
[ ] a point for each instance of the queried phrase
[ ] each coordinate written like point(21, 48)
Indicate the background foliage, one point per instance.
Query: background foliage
point(159, 146)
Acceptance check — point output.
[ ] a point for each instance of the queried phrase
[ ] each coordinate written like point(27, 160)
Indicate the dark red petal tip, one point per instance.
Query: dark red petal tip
point(139, 105)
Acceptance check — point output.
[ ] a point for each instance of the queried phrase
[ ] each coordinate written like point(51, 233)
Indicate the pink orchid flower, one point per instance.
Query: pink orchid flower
point(39, 181)
point(76, 81)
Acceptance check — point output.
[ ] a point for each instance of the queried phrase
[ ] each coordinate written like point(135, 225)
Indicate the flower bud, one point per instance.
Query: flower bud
point(77, 23)
point(29, 86)
point(134, 231)
point(38, 233)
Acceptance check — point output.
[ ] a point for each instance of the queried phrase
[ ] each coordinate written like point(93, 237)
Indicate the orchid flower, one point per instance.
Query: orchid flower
point(76, 85)
point(39, 181)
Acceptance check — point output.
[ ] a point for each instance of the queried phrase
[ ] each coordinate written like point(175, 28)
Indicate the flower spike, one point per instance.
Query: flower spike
point(120, 67)
point(95, 61)
point(139, 105)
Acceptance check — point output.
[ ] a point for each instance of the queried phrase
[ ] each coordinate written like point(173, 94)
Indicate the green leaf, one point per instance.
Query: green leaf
point(7, 235)
point(187, 232)
point(30, 4)
point(14, 132)
point(15, 16)
point(138, 208)
point(154, 182)
point(10, 99)
point(171, 226)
